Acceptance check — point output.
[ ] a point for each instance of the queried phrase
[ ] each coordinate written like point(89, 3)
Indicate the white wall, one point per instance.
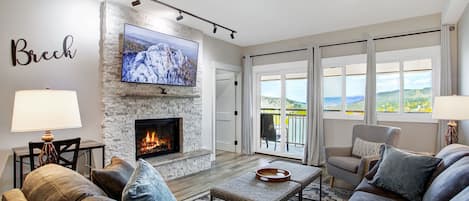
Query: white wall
point(415, 136)
point(215, 51)
point(463, 69)
point(44, 24)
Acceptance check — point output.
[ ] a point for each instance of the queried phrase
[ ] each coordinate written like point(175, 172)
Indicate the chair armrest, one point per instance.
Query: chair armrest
point(366, 163)
point(338, 151)
point(419, 152)
point(13, 195)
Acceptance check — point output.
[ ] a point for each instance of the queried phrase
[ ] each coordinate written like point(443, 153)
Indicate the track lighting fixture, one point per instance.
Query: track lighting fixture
point(180, 17)
point(136, 3)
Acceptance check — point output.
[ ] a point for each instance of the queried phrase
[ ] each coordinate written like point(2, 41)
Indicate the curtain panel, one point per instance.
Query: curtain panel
point(314, 146)
point(445, 79)
point(247, 107)
point(370, 97)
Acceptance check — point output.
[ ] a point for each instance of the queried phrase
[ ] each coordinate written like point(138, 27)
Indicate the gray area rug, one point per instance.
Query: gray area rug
point(309, 193)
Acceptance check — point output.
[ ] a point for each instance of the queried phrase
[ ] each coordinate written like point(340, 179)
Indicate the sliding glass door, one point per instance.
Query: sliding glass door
point(281, 109)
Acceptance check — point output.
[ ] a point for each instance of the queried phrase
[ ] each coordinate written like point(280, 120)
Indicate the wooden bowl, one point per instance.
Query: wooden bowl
point(273, 175)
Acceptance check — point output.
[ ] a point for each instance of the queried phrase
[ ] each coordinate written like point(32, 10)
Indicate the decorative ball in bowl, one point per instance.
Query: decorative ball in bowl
point(273, 175)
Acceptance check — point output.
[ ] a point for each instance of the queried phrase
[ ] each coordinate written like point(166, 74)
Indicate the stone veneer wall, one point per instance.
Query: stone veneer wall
point(120, 112)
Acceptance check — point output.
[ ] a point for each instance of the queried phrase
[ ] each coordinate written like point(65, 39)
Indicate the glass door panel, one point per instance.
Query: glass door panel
point(295, 111)
point(270, 109)
point(282, 113)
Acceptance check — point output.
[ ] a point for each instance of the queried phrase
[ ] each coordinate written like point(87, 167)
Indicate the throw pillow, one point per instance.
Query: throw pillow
point(404, 173)
point(146, 184)
point(370, 174)
point(365, 148)
point(58, 183)
point(113, 178)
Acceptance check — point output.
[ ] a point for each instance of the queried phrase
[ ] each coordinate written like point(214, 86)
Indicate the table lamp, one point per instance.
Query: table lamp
point(451, 108)
point(45, 110)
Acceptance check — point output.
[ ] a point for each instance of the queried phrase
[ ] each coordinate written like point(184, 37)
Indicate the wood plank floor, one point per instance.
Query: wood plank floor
point(226, 166)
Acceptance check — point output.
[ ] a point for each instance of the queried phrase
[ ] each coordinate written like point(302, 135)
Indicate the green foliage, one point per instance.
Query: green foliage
point(415, 100)
point(274, 102)
point(418, 100)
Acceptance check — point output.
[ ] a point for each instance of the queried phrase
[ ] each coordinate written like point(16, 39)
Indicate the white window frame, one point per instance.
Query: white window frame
point(432, 52)
point(265, 70)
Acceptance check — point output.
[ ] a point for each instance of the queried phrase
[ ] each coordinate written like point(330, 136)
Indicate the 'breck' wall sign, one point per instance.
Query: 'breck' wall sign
point(20, 55)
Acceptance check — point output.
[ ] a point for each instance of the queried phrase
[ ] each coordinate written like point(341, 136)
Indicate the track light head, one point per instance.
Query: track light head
point(180, 17)
point(136, 3)
point(214, 28)
point(232, 35)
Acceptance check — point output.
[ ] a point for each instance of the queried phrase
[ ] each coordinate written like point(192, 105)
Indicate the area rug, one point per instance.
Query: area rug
point(310, 193)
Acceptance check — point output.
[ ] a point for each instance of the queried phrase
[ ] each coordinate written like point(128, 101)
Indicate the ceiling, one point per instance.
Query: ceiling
point(263, 21)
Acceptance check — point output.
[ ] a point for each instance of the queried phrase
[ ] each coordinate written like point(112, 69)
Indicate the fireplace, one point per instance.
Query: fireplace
point(156, 137)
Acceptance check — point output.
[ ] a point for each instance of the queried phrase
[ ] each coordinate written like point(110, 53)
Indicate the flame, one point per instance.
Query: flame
point(151, 142)
point(147, 138)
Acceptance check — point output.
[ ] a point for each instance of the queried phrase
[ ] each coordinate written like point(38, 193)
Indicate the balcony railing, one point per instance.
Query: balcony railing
point(296, 122)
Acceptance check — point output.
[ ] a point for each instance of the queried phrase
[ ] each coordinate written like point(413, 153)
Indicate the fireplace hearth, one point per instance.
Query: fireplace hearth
point(156, 137)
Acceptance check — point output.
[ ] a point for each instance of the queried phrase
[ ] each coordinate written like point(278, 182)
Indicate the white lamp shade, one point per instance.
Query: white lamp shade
point(40, 110)
point(451, 108)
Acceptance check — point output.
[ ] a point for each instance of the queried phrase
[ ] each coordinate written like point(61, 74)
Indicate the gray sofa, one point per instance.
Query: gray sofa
point(449, 181)
point(54, 182)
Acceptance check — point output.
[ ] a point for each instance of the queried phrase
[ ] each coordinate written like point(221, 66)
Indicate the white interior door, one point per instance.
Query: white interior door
point(225, 126)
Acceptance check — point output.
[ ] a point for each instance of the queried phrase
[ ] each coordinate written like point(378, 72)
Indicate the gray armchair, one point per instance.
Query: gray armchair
point(342, 164)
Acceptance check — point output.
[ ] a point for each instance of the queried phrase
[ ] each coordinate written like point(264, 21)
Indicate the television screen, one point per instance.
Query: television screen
point(157, 58)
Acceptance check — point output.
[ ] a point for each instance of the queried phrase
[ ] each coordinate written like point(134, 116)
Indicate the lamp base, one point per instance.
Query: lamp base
point(48, 153)
point(451, 135)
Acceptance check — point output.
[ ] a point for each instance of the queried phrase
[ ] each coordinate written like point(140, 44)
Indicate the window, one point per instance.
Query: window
point(355, 86)
point(333, 89)
point(344, 86)
point(405, 81)
point(387, 87)
point(418, 86)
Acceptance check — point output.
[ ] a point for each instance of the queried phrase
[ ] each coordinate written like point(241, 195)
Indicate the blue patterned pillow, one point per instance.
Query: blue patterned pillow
point(146, 184)
point(404, 173)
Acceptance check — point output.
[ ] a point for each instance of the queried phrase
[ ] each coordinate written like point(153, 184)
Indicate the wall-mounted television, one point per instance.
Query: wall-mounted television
point(156, 58)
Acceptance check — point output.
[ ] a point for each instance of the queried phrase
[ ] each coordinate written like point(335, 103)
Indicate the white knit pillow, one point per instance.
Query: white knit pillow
point(365, 148)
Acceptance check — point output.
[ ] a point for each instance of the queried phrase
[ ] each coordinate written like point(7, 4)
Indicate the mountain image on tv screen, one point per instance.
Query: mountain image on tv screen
point(156, 58)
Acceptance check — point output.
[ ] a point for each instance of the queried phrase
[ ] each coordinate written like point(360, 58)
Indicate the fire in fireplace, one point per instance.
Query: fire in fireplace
point(155, 137)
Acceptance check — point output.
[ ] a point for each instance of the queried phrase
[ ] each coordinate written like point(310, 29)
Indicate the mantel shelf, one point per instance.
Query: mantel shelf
point(150, 95)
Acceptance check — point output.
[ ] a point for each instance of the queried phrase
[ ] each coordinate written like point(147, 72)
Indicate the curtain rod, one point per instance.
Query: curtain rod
point(407, 34)
point(343, 43)
point(351, 42)
point(386, 37)
point(280, 52)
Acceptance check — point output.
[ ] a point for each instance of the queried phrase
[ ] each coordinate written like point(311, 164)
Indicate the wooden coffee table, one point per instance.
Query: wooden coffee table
point(247, 188)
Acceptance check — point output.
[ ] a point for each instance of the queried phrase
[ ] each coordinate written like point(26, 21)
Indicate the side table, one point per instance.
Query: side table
point(20, 153)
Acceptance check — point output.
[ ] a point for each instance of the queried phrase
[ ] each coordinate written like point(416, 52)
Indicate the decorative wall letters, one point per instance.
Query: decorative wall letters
point(20, 55)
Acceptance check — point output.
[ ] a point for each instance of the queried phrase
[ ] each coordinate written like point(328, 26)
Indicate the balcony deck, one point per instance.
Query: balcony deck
point(295, 122)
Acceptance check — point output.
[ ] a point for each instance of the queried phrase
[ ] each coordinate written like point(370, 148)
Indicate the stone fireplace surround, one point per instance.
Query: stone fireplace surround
point(124, 103)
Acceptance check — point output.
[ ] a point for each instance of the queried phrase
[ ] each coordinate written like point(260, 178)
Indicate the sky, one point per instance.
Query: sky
point(296, 89)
